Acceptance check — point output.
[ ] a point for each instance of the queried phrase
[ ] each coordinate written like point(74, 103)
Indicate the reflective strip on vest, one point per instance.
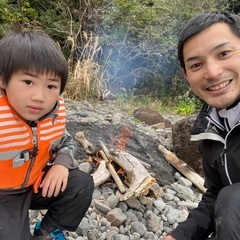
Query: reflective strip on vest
point(14, 136)
point(10, 154)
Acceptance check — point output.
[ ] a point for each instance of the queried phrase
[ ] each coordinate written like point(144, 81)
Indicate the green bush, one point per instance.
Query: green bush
point(187, 104)
point(137, 37)
point(139, 41)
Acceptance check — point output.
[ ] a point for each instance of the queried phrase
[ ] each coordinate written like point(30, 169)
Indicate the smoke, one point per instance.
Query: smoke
point(139, 67)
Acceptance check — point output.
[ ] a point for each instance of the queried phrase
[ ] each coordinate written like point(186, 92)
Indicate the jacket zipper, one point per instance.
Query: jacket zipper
point(33, 154)
point(224, 163)
point(224, 156)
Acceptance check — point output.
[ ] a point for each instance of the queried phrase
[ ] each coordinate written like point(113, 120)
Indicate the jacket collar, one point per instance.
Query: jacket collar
point(203, 128)
point(212, 123)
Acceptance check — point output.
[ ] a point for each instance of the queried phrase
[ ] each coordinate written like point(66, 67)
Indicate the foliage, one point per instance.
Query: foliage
point(127, 46)
point(62, 19)
point(184, 105)
point(139, 40)
point(14, 14)
point(187, 104)
point(86, 80)
point(128, 103)
point(230, 5)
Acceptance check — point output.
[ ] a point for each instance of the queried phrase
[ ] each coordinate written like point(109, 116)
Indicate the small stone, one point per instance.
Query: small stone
point(116, 217)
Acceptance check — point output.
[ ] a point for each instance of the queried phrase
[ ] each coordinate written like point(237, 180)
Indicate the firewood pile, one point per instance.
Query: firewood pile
point(131, 175)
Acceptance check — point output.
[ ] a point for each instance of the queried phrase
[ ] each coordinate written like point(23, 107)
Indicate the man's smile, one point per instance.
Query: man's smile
point(219, 86)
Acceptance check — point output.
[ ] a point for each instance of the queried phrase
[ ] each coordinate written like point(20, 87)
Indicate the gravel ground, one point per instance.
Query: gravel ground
point(134, 219)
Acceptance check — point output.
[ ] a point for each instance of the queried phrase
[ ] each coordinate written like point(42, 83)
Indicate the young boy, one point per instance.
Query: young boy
point(36, 151)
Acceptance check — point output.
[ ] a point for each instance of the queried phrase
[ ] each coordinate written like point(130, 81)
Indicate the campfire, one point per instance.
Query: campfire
point(129, 173)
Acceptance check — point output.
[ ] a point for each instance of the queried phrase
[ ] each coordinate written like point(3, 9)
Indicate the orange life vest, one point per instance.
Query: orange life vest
point(25, 151)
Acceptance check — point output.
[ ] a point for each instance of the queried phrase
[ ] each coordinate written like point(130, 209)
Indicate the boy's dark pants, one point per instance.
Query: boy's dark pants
point(64, 211)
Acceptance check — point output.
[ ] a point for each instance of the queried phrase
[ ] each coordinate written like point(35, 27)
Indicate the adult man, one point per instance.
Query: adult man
point(209, 54)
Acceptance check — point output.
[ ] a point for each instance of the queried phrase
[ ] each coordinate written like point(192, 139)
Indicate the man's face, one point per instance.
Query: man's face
point(32, 95)
point(212, 60)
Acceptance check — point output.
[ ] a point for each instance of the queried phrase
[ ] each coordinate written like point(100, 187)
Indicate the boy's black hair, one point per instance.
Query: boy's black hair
point(202, 21)
point(31, 50)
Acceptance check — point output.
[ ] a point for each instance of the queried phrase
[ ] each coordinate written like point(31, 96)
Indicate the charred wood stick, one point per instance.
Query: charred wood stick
point(86, 145)
point(113, 172)
point(182, 167)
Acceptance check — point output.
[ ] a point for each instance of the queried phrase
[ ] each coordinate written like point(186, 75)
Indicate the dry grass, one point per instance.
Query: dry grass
point(85, 80)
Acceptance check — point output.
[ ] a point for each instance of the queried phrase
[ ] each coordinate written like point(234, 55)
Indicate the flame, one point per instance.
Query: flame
point(126, 132)
point(90, 159)
point(120, 171)
point(95, 160)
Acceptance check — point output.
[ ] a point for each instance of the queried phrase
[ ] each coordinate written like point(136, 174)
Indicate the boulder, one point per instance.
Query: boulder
point(185, 149)
point(150, 117)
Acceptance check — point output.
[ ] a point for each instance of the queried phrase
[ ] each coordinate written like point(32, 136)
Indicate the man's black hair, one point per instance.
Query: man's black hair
point(202, 21)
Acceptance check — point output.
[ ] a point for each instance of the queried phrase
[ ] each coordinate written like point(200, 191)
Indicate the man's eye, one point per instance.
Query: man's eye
point(196, 65)
point(224, 53)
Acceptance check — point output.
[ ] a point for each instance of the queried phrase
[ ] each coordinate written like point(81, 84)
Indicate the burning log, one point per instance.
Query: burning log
point(104, 171)
point(138, 179)
point(114, 174)
point(101, 175)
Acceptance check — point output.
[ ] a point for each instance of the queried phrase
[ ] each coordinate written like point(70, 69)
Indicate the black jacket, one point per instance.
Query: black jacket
point(221, 164)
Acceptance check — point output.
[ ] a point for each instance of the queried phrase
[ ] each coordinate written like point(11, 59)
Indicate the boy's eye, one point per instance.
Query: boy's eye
point(28, 82)
point(52, 87)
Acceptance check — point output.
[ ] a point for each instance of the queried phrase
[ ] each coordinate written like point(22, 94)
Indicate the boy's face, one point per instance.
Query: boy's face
point(212, 60)
point(32, 95)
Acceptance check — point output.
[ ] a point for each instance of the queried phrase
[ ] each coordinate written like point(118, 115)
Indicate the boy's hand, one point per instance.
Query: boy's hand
point(54, 181)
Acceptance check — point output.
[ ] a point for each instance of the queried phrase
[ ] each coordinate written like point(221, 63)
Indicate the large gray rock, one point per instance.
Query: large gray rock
point(185, 149)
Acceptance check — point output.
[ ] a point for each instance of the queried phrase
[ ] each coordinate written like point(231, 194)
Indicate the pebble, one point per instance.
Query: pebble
point(134, 219)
